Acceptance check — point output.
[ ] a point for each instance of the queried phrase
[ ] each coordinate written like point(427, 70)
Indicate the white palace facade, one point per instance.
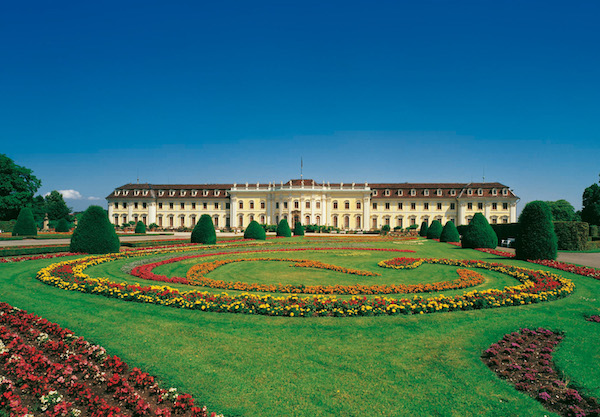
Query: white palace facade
point(349, 206)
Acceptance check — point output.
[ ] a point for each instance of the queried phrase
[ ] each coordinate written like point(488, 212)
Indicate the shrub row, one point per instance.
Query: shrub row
point(34, 250)
point(572, 235)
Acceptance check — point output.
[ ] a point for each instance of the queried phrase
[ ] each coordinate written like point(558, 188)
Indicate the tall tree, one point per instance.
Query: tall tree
point(562, 211)
point(591, 205)
point(56, 206)
point(17, 187)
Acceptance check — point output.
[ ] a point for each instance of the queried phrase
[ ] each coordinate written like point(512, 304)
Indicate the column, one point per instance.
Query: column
point(366, 223)
point(325, 210)
point(233, 222)
point(152, 213)
point(111, 212)
point(460, 213)
point(513, 213)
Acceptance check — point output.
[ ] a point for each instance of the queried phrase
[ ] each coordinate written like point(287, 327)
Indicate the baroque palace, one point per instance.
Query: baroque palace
point(347, 206)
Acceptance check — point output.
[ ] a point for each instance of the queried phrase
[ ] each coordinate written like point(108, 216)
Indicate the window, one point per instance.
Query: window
point(182, 206)
point(116, 205)
point(494, 220)
point(285, 205)
point(413, 192)
point(469, 192)
point(400, 206)
point(479, 206)
point(335, 205)
point(307, 220)
point(160, 221)
point(241, 221)
point(439, 206)
point(171, 193)
point(124, 205)
point(439, 192)
point(318, 203)
point(216, 221)
point(182, 221)
point(307, 205)
point(399, 222)
point(251, 217)
point(505, 220)
point(400, 192)
point(387, 206)
point(505, 191)
point(296, 204)
point(494, 206)
point(469, 206)
point(358, 205)
point(262, 205)
point(479, 191)
point(426, 193)
point(216, 206)
point(204, 206)
point(494, 191)
point(452, 206)
point(159, 205)
point(374, 206)
point(193, 220)
point(347, 205)
point(182, 193)
point(452, 192)
point(413, 206)
point(504, 206)
point(374, 222)
point(358, 222)
point(144, 205)
point(194, 192)
point(204, 193)
point(318, 220)
point(135, 205)
point(335, 221)
point(251, 204)
point(241, 207)
point(387, 192)
point(413, 221)
point(425, 206)
point(374, 192)
point(193, 206)
point(262, 219)
point(171, 207)
point(277, 205)
point(227, 206)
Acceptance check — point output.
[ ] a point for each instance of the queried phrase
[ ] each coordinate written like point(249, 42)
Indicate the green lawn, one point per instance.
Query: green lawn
point(241, 365)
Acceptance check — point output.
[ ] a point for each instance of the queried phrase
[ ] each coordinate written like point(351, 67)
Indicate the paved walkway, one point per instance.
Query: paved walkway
point(579, 258)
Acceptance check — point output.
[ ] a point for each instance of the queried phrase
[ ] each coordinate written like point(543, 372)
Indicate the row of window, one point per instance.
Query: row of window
point(438, 192)
point(172, 206)
point(182, 193)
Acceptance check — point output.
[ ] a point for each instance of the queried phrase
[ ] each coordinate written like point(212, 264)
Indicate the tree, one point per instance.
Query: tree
point(255, 231)
point(479, 234)
point(590, 212)
point(298, 229)
point(95, 233)
point(450, 233)
point(38, 207)
point(140, 227)
point(204, 231)
point(435, 230)
point(62, 226)
point(283, 229)
point(17, 187)
point(562, 211)
point(25, 224)
point(424, 228)
point(56, 206)
point(536, 238)
point(385, 229)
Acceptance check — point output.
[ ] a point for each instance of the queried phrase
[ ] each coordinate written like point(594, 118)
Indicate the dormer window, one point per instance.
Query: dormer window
point(452, 192)
point(426, 193)
point(136, 192)
point(182, 193)
point(125, 192)
point(117, 192)
point(480, 191)
point(505, 191)
point(145, 192)
point(494, 191)
point(439, 192)
point(172, 193)
point(374, 192)
point(217, 192)
point(205, 193)
point(413, 192)
point(194, 193)
point(387, 192)
point(400, 192)
point(469, 192)
point(161, 193)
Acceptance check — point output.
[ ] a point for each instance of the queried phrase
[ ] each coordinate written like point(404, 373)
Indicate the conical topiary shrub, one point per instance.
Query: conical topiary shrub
point(255, 231)
point(283, 229)
point(479, 234)
point(62, 226)
point(298, 229)
point(25, 225)
point(536, 238)
point(450, 233)
point(94, 233)
point(424, 228)
point(140, 227)
point(204, 231)
point(435, 230)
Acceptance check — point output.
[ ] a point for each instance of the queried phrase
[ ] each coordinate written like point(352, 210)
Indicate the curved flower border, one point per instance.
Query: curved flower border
point(535, 287)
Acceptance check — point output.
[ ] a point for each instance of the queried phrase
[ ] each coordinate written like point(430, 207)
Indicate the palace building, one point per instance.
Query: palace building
point(348, 206)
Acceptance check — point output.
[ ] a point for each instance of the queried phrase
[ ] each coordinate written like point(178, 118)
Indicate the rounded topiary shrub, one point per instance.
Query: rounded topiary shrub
point(140, 227)
point(283, 229)
point(479, 234)
point(255, 231)
point(435, 230)
point(25, 225)
point(298, 229)
point(95, 233)
point(62, 226)
point(450, 233)
point(204, 231)
point(536, 238)
point(424, 229)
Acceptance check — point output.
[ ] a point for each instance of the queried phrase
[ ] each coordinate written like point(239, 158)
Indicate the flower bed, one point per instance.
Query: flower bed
point(537, 286)
point(525, 359)
point(48, 368)
point(563, 266)
point(594, 318)
point(36, 257)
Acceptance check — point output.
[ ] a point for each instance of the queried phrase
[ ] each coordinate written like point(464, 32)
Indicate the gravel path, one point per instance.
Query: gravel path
point(579, 258)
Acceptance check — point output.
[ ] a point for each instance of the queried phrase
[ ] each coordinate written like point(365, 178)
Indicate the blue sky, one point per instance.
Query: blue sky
point(95, 94)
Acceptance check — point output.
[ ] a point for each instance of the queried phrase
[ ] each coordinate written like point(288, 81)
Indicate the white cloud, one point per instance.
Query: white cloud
point(94, 198)
point(71, 194)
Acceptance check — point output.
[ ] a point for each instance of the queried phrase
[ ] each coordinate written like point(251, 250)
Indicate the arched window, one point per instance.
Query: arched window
point(358, 222)
point(347, 205)
point(251, 204)
point(346, 222)
point(262, 219)
point(241, 204)
point(335, 205)
point(241, 221)
point(358, 205)
point(318, 220)
point(307, 220)
point(374, 222)
point(335, 221)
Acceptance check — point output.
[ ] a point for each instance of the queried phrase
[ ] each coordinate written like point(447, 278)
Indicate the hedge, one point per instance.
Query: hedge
point(572, 235)
point(204, 231)
point(479, 234)
point(255, 231)
point(283, 229)
point(506, 230)
point(424, 229)
point(435, 230)
point(95, 233)
point(33, 251)
point(536, 238)
point(7, 225)
point(25, 224)
point(140, 227)
point(449, 233)
point(298, 229)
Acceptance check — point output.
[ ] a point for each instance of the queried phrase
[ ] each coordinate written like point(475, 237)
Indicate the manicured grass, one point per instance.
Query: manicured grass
point(272, 366)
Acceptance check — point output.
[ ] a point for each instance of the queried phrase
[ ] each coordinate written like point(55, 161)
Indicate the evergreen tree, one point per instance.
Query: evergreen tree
point(536, 238)
point(62, 226)
point(450, 233)
point(140, 227)
point(95, 233)
point(298, 229)
point(435, 230)
point(590, 212)
point(255, 231)
point(25, 225)
point(424, 228)
point(17, 187)
point(204, 231)
point(283, 228)
point(562, 211)
point(56, 206)
point(479, 234)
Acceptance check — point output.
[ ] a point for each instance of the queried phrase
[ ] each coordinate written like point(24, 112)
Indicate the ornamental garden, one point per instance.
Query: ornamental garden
point(297, 325)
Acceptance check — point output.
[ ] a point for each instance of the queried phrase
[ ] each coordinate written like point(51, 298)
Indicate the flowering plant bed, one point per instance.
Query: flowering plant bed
point(47, 369)
point(594, 318)
point(36, 257)
point(563, 266)
point(525, 359)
